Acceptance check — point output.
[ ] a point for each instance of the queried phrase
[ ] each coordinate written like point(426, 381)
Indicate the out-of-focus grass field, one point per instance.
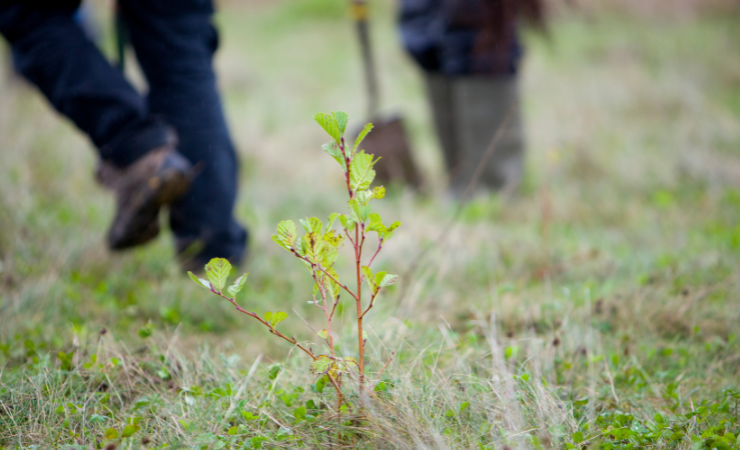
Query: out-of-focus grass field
point(600, 306)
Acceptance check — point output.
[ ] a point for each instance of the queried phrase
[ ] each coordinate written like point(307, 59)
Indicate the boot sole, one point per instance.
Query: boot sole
point(141, 222)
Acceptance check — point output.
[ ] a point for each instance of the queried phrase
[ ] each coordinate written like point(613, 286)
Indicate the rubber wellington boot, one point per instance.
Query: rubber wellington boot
point(156, 179)
point(468, 111)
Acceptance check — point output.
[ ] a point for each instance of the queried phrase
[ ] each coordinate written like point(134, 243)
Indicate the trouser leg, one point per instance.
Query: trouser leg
point(174, 42)
point(53, 53)
point(468, 112)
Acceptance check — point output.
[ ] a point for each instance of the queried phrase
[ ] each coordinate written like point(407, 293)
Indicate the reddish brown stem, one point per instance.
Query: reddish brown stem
point(334, 308)
point(380, 246)
point(358, 301)
point(372, 302)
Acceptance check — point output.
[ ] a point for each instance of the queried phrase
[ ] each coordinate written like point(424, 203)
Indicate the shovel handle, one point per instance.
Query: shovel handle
point(359, 15)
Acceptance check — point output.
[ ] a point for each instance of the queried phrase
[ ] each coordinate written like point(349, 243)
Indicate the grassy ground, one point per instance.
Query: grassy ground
point(600, 307)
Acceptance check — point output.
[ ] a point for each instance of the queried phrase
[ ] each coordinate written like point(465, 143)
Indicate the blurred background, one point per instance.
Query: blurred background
point(623, 237)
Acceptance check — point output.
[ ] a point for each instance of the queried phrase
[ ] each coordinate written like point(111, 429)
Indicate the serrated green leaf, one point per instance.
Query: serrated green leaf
point(360, 212)
point(268, 317)
point(378, 192)
point(368, 272)
point(329, 124)
point(312, 225)
point(217, 271)
point(322, 364)
point(361, 136)
point(388, 280)
point(300, 246)
point(333, 238)
point(278, 317)
point(238, 285)
point(280, 243)
point(361, 173)
point(390, 231)
point(347, 222)
point(375, 224)
point(342, 118)
point(335, 152)
point(199, 281)
point(378, 279)
point(369, 277)
point(287, 233)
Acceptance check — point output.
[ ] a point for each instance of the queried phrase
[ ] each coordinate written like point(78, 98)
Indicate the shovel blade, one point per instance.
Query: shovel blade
point(388, 140)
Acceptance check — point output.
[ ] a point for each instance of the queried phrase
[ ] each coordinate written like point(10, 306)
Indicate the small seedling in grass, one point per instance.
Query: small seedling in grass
point(318, 248)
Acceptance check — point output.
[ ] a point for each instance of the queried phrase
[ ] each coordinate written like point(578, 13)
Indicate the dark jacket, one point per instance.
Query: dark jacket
point(461, 37)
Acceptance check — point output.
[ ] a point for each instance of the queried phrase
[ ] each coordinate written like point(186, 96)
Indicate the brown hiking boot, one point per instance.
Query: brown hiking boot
point(158, 178)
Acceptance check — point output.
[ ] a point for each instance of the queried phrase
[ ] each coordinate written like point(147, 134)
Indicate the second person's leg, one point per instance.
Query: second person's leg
point(175, 42)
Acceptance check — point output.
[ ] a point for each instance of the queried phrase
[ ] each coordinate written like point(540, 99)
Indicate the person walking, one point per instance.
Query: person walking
point(169, 148)
point(470, 53)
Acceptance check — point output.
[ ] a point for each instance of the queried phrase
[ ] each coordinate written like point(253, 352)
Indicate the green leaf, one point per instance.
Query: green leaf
point(464, 406)
point(347, 222)
point(361, 173)
point(378, 279)
point(511, 351)
point(217, 271)
point(378, 192)
point(111, 433)
point(199, 281)
point(368, 272)
point(323, 334)
point(278, 317)
point(360, 212)
point(335, 152)
point(320, 383)
point(391, 229)
point(329, 124)
point(268, 317)
point(342, 118)
point(578, 437)
point(312, 225)
point(300, 413)
point(388, 280)
point(375, 223)
point(361, 136)
point(249, 415)
point(321, 364)
point(238, 285)
point(287, 233)
point(129, 430)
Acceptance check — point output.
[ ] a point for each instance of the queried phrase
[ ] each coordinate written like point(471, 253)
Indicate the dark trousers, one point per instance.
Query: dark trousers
point(174, 42)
